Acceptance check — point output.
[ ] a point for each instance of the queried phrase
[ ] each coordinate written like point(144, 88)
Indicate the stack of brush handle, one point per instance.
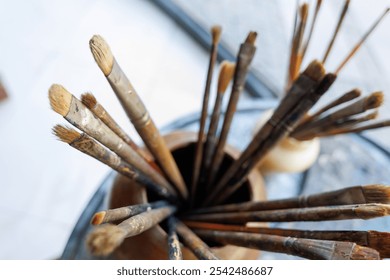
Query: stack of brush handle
point(196, 214)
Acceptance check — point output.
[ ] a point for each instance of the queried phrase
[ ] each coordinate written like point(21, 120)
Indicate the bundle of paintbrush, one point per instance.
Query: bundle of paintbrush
point(156, 170)
point(330, 120)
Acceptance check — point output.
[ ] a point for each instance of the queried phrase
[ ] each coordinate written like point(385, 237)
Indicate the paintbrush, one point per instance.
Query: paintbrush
point(92, 104)
point(116, 214)
point(104, 239)
point(336, 31)
point(355, 93)
point(379, 241)
point(174, 249)
point(216, 35)
point(296, 52)
point(306, 81)
point(194, 243)
point(358, 129)
point(360, 43)
point(267, 137)
point(323, 213)
point(89, 146)
point(362, 105)
point(312, 25)
point(306, 248)
point(75, 112)
point(244, 58)
point(225, 76)
point(352, 195)
point(136, 111)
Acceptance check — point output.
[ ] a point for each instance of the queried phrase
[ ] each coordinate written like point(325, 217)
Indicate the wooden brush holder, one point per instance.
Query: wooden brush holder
point(152, 244)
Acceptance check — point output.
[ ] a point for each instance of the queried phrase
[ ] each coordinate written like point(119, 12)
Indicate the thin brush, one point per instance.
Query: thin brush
point(305, 248)
point(312, 25)
point(336, 31)
point(360, 43)
point(136, 111)
point(358, 129)
point(376, 193)
point(113, 215)
point(225, 76)
point(174, 249)
point(104, 239)
point(244, 58)
point(216, 35)
point(324, 213)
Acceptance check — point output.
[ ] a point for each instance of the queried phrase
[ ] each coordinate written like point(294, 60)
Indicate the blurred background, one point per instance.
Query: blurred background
point(44, 184)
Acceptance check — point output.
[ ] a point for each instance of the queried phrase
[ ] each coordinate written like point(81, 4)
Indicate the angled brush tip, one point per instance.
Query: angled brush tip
point(216, 32)
point(60, 99)
point(102, 54)
point(104, 239)
point(98, 218)
point(251, 38)
point(225, 75)
point(88, 100)
point(65, 134)
point(315, 70)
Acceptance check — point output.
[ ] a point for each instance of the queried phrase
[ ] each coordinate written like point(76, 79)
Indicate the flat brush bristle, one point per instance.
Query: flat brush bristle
point(364, 253)
point(216, 31)
point(315, 70)
point(104, 239)
point(225, 76)
point(374, 100)
point(102, 54)
point(377, 193)
point(380, 241)
point(60, 99)
point(251, 38)
point(65, 134)
point(88, 100)
point(369, 211)
point(98, 218)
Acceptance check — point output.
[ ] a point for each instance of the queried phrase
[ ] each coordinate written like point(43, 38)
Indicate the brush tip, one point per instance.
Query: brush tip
point(60, 99)
point(104, 239)
point(98, 218)
point(65, 134)
point(225, 75)
point(88, 100)
point(216, 32)
point(102, 54)
point(375, 100)
point(380, 241)
point(377, 193)
point(315, 70)
point(251, 38)
point(354, 93)
point(364, 253)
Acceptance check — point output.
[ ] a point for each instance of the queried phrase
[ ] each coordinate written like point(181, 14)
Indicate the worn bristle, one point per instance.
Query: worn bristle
point(225, 76)
point(304, 11)
point(370, 211)
point(251, 38)
point(377, 193)
point(216, 32)
point(315, 70)
point(88, 100)
point(374, 100)
point(364, 253)
point(102, 54)
point(60, 99)
point(104, 239)
point(380, 241)
point(65, 134)
point(98, 218)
